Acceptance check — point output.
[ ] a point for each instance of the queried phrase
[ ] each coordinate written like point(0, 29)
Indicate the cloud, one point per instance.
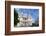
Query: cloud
point(26, 12)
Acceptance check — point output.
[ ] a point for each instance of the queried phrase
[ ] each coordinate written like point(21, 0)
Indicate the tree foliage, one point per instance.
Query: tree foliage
point(15, 17)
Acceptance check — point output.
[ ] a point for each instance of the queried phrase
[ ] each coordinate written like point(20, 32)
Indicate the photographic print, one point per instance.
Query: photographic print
point(24, 18)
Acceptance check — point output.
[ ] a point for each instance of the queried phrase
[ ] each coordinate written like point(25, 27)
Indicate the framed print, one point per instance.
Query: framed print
point(24, 17)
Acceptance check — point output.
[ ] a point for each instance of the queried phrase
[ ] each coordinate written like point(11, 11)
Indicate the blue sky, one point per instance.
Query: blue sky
point(32, 12)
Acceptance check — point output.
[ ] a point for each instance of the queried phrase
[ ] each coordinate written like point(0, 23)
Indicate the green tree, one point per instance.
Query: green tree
point(15, 17)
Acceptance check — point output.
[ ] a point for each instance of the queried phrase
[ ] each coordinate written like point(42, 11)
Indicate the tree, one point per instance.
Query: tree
point(15, 17)
point(37, 22)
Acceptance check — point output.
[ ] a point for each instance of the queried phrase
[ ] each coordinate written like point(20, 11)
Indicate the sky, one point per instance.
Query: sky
point(32, 12)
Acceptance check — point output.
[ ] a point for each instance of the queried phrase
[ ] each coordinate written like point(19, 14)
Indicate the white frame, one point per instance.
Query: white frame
point(25, 28)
